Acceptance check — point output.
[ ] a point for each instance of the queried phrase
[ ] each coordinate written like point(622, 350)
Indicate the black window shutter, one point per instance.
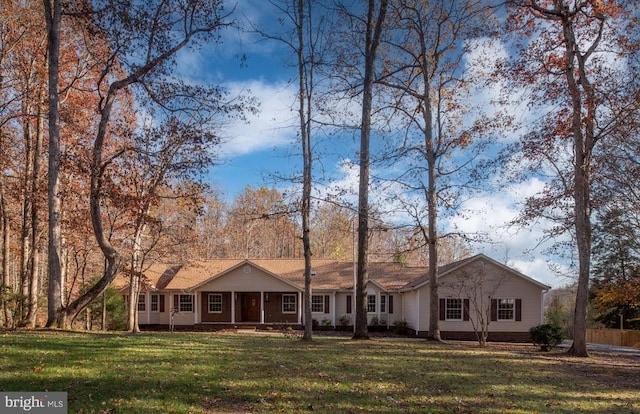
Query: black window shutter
point(175, 302)
point(442, 310)
point(349, 305)
point(326, 303)
point(494, 309)
point(161, 300)
point(390, 304)
point(518, 310)
point(465, 310)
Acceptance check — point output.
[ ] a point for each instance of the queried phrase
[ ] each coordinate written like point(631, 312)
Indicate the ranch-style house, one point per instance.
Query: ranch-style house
point(236, 293)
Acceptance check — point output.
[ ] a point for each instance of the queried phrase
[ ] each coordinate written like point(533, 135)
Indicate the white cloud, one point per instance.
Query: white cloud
point(274, 124)
point(488, 215)
point(521, 247)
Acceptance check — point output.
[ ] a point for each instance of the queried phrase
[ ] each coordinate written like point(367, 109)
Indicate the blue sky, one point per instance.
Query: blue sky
point(266, 146)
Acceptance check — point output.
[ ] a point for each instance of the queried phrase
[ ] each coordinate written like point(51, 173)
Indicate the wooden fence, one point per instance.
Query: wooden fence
point(614, 337)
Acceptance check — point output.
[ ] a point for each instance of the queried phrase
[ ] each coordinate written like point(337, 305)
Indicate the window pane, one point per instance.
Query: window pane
point(383, 304)
point(215, 303)
point(371, 303)
point(506, 309)
point(317, 303)
point(154, 303)
point(141, 304)
point(453, 310)
point(288, 303)
point(186, 303)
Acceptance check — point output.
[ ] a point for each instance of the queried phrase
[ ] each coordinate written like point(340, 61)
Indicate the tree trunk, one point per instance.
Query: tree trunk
point(136, 272)
point(373, 34)
point(34, 286)
point(583, 140)
point(305, 92)
point(103, 324)
point(5, 288)
point(53, 17)
point(432, 210)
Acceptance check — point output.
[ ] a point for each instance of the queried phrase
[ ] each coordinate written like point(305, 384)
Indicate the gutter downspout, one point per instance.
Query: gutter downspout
point(417, 311)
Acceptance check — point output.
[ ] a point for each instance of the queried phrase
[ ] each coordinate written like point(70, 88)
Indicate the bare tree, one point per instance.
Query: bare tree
point(564, 51)
point(305, 41)
point(423, 69)
point(144, 42)
point(53, 18)
point(376, 13)
point(163, 156)
point(476, 288)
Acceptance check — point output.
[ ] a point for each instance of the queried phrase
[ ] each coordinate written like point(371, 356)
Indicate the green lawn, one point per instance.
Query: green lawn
point(228, 372)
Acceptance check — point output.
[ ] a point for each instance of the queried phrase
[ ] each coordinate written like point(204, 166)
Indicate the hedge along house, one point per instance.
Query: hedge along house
point(228, 293)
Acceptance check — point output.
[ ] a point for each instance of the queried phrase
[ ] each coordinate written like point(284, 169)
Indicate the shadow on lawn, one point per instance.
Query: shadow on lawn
point(261, 373)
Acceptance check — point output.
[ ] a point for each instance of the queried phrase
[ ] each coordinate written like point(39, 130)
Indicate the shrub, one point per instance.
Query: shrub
point(401, 327)
point(345, 320)
point(546, 336)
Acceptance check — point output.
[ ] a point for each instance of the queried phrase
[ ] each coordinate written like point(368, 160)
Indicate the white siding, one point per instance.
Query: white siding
point(325, 318)
point(247, 279)
point(396, 316)
point(423, 301)
point(341, 307)
point(410, 309)
point(498, 283)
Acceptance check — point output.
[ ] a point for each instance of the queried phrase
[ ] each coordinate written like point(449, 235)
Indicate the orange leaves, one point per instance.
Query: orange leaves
point(625, 293)
point(555, 61)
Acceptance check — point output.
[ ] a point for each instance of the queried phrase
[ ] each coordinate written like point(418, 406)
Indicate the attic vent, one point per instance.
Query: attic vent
point(247, 269)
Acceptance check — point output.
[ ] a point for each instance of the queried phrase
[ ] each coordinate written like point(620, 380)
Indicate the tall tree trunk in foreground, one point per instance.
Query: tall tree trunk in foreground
point(53, 17)
point(305, 92)
point(373, 34)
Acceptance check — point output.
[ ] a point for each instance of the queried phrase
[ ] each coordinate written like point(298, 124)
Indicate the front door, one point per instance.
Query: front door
point(250, 307)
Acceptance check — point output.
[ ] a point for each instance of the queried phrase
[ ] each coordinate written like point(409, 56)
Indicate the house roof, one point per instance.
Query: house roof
point(329, 274)
point(446, 269)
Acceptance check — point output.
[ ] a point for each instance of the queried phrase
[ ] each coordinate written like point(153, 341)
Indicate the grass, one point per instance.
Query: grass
point(213, 373)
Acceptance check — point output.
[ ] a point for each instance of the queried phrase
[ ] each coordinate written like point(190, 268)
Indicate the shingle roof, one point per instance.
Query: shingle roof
point(329, 274)
point(443, 270)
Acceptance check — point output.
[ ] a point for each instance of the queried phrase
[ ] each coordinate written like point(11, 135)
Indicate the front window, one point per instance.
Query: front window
point(215, 303)
point(288, 303)
point(371, 303)
point(383, 303)
point(155, 300)
point(185, 303)
point(141, 303)
point(317, 303)
point(506, 309)
point(453, 309)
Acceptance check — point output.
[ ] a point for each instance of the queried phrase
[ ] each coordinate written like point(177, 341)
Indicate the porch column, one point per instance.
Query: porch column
point(300, 308)
point(233, 307)
point(147, 306)
point(333, 308)
point(195, 308)
point(261, 308)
